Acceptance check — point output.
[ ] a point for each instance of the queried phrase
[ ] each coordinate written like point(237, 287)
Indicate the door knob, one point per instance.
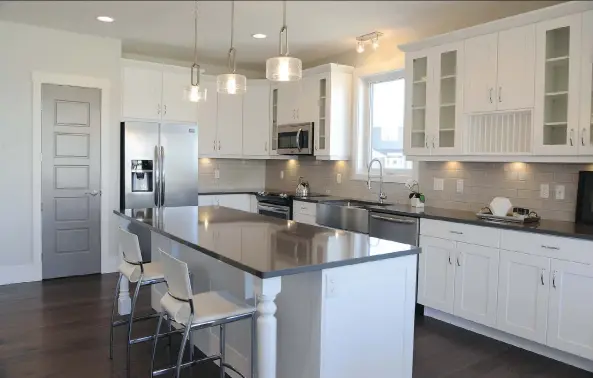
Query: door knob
point(93, 192)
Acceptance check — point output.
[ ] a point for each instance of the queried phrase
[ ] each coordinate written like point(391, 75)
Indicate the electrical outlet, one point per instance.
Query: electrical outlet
point(460, 186)
point(439, 184)
point(559, 192)
point(216, 174)
point(281, 175)
point(327, 191)
point(544, 191)
point(339, 178)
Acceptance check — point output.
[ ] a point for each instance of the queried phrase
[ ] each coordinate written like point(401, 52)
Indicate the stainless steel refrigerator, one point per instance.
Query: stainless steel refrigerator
point(159, 165)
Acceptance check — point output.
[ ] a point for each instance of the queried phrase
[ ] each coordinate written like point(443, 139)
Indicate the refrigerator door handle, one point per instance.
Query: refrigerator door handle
point(162, 169)
point(157, 180)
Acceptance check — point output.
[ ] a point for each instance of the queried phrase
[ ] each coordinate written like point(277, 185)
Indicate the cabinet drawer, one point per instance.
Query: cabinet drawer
point(306, 208)
point(303, 218)
point(556, 247)
point(486, 236)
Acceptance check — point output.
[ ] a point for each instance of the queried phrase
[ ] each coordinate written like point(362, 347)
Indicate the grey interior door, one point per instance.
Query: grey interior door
point(179, 160)
point(71, 176)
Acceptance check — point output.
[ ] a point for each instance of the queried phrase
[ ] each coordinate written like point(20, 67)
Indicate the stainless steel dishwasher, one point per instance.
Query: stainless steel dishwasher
point(401, 229)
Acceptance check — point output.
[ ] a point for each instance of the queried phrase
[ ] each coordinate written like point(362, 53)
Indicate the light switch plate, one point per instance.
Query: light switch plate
point(439, 183)
point(544, 191)
point(281, 175)
point(339, 178)
point(459, 185)
point(216, 174)
point(559, 192)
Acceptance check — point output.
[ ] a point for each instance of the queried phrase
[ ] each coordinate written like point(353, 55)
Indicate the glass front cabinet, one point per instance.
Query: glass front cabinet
point(558, 60)
point(433, 95)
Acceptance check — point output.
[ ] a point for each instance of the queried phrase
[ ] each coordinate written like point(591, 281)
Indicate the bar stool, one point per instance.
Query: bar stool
point(193, 312)
point(140, 273)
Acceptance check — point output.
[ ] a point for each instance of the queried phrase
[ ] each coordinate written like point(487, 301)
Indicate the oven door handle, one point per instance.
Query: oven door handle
point(394, 220)
point(298, 139)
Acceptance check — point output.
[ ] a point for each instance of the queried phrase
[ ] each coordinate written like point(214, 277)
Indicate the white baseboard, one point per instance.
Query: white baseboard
point(519, 342)
point(10, 274)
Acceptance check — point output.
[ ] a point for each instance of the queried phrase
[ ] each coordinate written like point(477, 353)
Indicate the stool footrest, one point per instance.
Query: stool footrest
point(187, 364)
point(151, 337)
point(126, 321)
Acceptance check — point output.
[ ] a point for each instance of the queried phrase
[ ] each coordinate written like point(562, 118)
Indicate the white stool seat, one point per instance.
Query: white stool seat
point(152, 271)
point(209, 306)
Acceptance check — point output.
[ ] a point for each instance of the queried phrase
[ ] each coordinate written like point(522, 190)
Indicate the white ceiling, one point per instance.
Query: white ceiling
point(317, 29)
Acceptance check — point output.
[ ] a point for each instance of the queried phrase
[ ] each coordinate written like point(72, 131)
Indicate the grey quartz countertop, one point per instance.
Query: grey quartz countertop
point(267, 246)
point(544, 226)
point(209, 192)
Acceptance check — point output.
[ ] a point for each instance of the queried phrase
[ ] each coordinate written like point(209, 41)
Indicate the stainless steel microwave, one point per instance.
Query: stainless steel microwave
point(295, 139)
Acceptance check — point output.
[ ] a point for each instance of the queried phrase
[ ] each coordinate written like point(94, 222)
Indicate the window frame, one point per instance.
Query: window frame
point(362, 132)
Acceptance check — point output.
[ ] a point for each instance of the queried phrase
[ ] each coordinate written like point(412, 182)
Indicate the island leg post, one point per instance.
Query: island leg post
point(124, 302)
point(267, 334)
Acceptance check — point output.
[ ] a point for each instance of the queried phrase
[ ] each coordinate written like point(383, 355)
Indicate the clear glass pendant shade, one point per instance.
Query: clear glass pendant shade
point(231, 83)
point(284, 68)
point(195, 93)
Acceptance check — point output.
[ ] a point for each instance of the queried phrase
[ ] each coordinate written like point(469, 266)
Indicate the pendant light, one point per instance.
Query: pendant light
point(231, 83)
point(194, 92)
point(284, 67)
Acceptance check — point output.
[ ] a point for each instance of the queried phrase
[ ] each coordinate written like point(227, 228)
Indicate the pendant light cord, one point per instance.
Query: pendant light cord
point(284, 32)
point(231, 61)
point(195, 67)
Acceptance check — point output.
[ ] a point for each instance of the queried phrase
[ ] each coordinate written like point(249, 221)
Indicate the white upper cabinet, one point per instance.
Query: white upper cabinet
point(516, 68)
point(142, 90)
point(230, 125)
point(256, 119)
point(558, 62)
point(571, 308)
point(419, 85)
point(156, 92)
point(481, 54)
point(288, 100)
point(523, 295)
point(175, 107)
point(308, 105)
point(207, 120)
point(586, 120)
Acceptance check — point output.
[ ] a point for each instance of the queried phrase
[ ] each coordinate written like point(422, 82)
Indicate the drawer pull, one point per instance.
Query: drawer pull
point(549, 247)
point(456, 232)
point(542, 276)
point(303, 208)
point(554, 279)
point(458, 263)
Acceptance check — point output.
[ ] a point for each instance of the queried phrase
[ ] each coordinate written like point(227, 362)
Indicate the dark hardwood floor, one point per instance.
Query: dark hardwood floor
point(59, 329)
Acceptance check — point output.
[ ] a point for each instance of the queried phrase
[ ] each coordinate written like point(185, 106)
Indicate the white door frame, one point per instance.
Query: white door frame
point(40, 78)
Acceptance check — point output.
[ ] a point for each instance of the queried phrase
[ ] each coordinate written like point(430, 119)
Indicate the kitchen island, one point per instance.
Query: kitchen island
point(330, 303)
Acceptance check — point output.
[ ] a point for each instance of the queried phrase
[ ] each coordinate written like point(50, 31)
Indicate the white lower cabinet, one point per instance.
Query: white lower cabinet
point(304, 212)
point(304, 218)
point(233, 201)
point(523, 295)
point(436, 275)
point(476, 283)
point(570, 317)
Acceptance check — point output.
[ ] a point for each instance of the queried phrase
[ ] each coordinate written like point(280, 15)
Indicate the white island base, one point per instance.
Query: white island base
point(349, 322)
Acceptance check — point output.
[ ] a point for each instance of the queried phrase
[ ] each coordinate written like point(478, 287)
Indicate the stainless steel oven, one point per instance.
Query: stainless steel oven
point(273, 210)
point(295, 139)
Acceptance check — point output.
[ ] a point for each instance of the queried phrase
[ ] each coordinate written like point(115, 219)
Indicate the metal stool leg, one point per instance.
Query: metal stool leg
point(253, 345)
point(222, 349)
point(154, 343)
point(182, 347)
point(129, 349)
point(113, 317)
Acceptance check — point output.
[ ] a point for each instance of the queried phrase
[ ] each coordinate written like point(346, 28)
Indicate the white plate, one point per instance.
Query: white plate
point(501, 206)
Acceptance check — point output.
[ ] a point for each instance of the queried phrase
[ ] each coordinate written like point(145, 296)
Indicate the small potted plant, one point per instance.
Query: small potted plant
point(416, 197)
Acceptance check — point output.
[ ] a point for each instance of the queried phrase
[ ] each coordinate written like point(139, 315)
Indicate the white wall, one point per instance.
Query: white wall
point(25, 49)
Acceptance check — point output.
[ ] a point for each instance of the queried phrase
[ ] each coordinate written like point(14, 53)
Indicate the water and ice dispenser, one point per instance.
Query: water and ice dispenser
point(142, 175)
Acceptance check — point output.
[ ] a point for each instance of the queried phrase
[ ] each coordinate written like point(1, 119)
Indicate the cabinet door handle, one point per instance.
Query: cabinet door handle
point(542, 276)
point(456, 232)
point(583, 136)
point(165, 108)
point(554, 279)
point(491, 95)
point(434, 140)
point(550, 247)
point(426, 141)
point(158, 109)
point(499, 94)
point(266, 147)
point(214, 144)
point(298, 114)
point(450, 262)
point(458, 262)
point(571, 134)
point(218, 145)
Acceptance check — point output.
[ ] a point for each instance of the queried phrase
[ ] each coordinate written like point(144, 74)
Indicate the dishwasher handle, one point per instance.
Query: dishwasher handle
point(394, 220)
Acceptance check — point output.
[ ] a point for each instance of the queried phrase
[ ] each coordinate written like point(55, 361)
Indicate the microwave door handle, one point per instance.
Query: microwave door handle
point(298, 139)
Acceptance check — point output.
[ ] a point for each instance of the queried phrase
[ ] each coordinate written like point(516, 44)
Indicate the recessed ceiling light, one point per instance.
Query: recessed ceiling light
point(259, 36)
point(105, 19)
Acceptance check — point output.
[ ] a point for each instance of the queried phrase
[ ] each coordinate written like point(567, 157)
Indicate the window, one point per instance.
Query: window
point(380, 134)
